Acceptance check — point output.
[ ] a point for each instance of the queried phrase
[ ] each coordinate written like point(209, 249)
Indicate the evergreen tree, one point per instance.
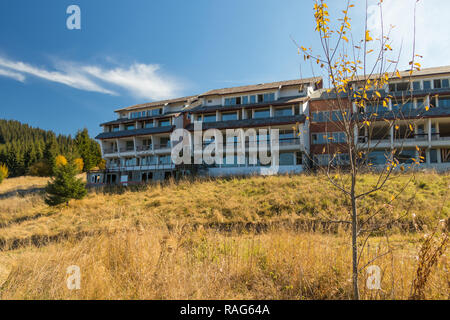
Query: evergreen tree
point(50, 153)
point(24, 149)
point(88, 149)
point(65, 185)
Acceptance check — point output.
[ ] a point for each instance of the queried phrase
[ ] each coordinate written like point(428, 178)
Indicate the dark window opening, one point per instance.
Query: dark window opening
point(437, 84)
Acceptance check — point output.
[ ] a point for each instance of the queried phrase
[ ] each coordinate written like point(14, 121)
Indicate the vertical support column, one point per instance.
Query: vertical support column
point(217, 115)
point(428, 156)
point(271, 111)
point(436, 126)
point(429, 132)
point(438, 154)
point(244, 116)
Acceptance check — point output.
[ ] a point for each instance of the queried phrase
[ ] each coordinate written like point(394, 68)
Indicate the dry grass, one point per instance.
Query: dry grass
point(157, 264)
point(155, 242)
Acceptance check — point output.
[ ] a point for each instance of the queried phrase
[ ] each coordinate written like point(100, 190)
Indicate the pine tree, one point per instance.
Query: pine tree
point(50, 153)
point(64, 185)
point(88, 149)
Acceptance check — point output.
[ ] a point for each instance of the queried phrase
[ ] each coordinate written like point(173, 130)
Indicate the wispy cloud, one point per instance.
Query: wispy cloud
point(432, 25)
point(140, 80)
point(12, 74)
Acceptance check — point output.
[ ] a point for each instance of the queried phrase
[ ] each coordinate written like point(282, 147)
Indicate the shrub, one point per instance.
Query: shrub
point(39, 169)
point(64, 186)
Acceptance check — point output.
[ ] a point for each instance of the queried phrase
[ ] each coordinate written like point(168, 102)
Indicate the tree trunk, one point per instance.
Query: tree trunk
point(354, 238)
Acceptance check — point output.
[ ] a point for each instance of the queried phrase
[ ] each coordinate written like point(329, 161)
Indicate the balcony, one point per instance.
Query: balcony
point(144, 148)
point(126, 149)
point(110, 150)
point(160, 146)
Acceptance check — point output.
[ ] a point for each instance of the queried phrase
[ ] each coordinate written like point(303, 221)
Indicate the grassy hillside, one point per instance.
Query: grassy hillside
point(259, 237)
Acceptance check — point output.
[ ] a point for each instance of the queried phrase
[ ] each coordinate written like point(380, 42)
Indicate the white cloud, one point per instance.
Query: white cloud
point(70, 78)
point(140, 80)
point(12, 74)
point(432, 25)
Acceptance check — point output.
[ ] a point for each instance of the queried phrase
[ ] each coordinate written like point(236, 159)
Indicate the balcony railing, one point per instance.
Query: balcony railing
point(282, 142)
point(144, 148)
point(162, 145)
point(110, 150)
point(126, 149)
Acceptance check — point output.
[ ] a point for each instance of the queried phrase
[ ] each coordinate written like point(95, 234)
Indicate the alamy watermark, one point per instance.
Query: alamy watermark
point(211, 148)
point(74, 279)
point(373, 281)
point(73, 22)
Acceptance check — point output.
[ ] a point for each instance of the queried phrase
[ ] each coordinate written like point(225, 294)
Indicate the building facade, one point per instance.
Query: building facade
point(137, 145)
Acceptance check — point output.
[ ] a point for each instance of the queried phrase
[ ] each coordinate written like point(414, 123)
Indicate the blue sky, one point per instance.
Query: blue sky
point(130, 52)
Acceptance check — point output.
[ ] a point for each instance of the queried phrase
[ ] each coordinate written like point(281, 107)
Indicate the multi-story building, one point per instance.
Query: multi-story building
point(137, 146)
point(415, 121)
point(259, 108)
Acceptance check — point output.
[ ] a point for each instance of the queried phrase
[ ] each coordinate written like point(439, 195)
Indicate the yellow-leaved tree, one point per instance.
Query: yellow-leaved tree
point(60, 160)
point(4, 172)
point(359, 67)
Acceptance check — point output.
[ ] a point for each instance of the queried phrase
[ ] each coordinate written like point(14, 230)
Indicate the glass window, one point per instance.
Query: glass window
point(280, 112)
point(444, 102)
point(129, 145)
point(299, 158)
point(335, 115)
point(315, 116)
point(405, 156)
point(268, 97)
point(156, 112)
point(377, 157)
point(229, 116)
point(286, 134)
point(392, 87)
point(265, 113)
point(115, 129)
point(433, 155)
point(402, 86)
point(427, 84)
point(129, 127)
point(286, 159)
point(149, 124)
point(445, 83)
point(437, 83)
point(252, 99)
point(209, 118)
point(245, 100)
point(320, 117)
point(149, 160)
point(416, 85)
point(164, 142)
point(164, 122)
point(165, 159)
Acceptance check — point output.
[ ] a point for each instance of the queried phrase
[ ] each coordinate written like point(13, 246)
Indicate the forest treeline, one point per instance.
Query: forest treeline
point(32, 151)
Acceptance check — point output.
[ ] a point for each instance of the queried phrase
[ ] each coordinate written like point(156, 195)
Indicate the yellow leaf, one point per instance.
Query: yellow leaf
point(368, 37)
point(398, 74)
